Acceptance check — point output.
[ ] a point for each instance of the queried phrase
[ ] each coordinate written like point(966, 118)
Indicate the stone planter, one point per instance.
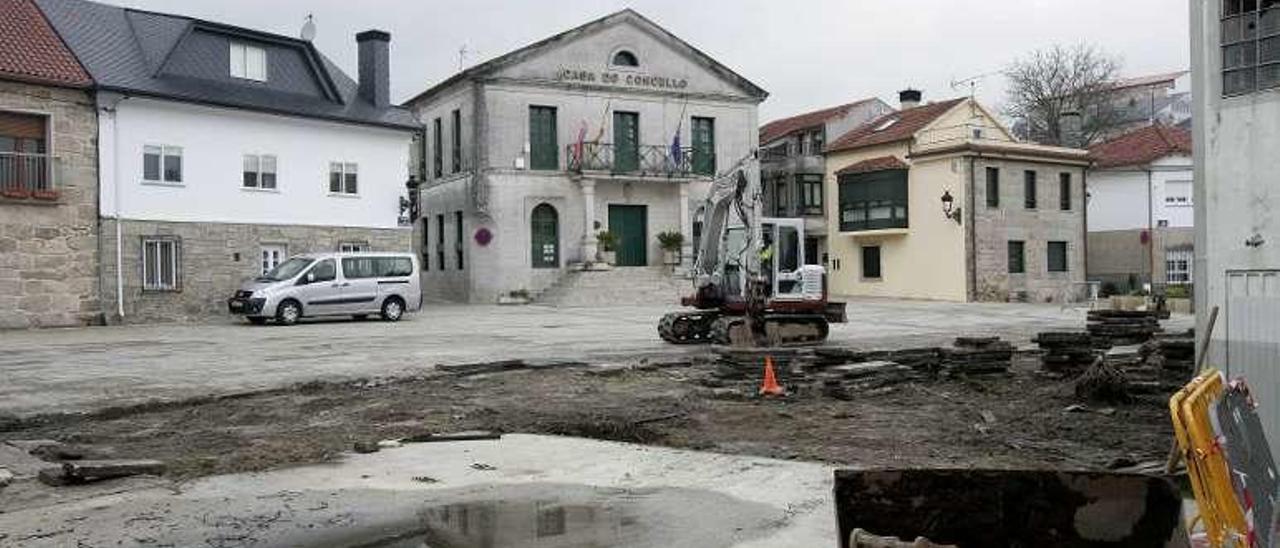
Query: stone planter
point(509, 300)
point(671, 257)
point(609, 257)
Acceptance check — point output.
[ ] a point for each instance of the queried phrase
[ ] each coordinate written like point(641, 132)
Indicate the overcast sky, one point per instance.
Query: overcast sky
point(808, 54)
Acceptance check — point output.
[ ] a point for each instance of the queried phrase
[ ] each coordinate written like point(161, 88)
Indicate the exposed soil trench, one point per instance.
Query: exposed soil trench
point(1017, 419)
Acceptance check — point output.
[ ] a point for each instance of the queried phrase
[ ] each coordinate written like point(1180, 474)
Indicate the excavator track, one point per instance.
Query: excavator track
point(779, 329)
point(687, 327)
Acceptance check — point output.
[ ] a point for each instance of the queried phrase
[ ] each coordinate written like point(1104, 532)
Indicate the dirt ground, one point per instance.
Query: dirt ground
point(1009, 420)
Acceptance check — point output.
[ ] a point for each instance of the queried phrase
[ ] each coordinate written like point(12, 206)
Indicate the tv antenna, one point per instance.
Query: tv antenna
point(972, 82)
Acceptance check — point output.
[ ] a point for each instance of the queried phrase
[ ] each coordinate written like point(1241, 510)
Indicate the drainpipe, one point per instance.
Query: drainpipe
point(1084, 225)
point(972, 228)
point(111, 109)
point(1151, 233)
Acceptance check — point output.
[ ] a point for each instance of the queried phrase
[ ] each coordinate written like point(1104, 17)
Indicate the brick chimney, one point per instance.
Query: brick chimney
point(375, 67)
point(909, 98)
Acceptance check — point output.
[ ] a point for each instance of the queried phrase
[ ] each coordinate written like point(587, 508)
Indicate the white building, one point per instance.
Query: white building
point(1141, 209)
point(1235, 64)
point(510, 201)
point(223, 150)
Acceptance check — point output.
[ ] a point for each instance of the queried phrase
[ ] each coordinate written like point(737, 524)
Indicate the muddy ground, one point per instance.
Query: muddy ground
point(1017, 419)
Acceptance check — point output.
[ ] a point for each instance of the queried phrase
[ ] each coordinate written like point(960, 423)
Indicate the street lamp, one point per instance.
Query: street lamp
point(948, 207)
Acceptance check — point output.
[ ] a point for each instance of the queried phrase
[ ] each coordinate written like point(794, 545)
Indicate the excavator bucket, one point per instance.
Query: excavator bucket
point(980, 508)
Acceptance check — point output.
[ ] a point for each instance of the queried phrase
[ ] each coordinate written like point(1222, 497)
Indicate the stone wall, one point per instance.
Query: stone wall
point(1120, 258)
point(48, 249)
point(996, 226)
point(215, 259)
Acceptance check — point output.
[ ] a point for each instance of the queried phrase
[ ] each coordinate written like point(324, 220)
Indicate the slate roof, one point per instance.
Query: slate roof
point(1141, 146)
point(182, 58)
point(516, 56)
point(30, 50)
point(785, 126)
point(906, 124)
point(879, 163)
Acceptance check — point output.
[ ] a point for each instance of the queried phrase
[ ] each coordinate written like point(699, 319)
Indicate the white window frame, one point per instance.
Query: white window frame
point(164, 152)
point(259, 163)
point(343, 169)
point(271, 255)
point(151, 264)
point(248, 62)
point(1178, 266)
point(354, 247)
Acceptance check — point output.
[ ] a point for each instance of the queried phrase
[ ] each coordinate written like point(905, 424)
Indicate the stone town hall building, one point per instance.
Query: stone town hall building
point(510, 200)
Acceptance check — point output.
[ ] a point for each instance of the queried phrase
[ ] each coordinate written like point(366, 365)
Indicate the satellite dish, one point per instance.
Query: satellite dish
point(308, 29)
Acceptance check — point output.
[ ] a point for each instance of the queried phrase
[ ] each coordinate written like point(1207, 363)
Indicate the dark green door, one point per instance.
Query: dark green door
point(704, 146)
point(544, 226)
point(626, 142)
point(543, 146)
point(630, 224)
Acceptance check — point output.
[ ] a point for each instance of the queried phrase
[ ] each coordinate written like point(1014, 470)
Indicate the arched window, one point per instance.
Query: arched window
point(544, 231)
point(625, 58)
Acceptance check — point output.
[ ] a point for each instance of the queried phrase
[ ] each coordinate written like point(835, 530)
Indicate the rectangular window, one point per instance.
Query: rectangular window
point(426, 243)
point(1029, 189)
point(1057, 255)
point(993, 187)
point(248, 62)
point(1177, 266)
point(704, 145)
point(343, 178)
point(259, 171)
point(162, 164)
point(1177, 193)
point(811, 194)
point(1250, 44)
point(457, 236)
point(544, 150)
point(1017, 257)
point(1064, 191)
point(873, 201)
point(782, 198)
point(871, 262)
point(440, 241)
point(455, 141)
point(437, 149)
point(353, 247)
point(271, 256)
point(161, 263)
point(818, 140)
point(626, 142)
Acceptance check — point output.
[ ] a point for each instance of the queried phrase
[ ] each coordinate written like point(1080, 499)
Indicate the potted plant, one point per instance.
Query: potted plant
point(48, 194)
point(670, 241)
point(15, 192)
point(608, 246)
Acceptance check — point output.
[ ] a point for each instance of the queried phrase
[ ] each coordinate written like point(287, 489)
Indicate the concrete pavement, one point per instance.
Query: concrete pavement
point(73, 370)
point(522, 490)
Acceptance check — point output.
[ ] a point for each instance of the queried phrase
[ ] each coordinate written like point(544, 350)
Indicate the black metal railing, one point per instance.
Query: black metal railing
point(641, 160)
point(24, 175)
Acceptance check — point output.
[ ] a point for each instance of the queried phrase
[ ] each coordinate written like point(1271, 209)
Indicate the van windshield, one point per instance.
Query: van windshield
point(287, 269)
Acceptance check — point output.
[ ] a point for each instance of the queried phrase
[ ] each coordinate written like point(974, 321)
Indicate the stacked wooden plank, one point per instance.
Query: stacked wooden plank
point(1065, 352)
point(1122, 327)
point(977, 355)
point(1171, 352)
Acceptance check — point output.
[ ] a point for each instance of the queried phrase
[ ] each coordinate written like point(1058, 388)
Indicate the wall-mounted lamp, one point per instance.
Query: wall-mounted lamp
point(948, 207)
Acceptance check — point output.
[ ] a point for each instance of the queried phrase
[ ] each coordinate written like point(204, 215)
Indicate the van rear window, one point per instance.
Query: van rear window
point(376, 267)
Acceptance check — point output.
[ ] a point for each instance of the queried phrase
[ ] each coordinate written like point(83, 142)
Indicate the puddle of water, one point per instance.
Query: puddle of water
point(574, 516)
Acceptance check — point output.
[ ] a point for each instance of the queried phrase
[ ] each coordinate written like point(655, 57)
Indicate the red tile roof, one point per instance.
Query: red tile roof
point(785, 126)
point(31, 51)
point(905, 124)
point(879, 163)
point(1141, 146)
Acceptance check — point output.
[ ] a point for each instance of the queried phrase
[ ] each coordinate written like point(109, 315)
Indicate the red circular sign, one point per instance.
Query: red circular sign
point(483, 236)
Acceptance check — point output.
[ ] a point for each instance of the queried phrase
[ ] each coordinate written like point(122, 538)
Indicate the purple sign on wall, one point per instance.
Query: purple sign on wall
point(483, 236)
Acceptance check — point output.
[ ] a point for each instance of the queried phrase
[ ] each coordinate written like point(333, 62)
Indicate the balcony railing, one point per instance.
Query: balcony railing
point(24, 176)
point(640, 161)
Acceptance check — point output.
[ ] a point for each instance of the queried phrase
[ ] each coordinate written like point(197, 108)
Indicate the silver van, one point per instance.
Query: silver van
point(332, 284)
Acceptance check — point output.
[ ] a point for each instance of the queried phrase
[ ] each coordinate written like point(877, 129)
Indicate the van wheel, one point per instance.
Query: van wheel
point(392, 309)
point(288, 312)
point(257, 320)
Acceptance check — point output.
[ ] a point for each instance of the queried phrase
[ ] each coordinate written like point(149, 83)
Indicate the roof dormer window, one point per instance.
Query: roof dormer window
point(625, 58)
point(248, 62)
point(886, 124)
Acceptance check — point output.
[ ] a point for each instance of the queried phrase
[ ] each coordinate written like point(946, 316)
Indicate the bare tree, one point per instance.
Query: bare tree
point(1057, 80)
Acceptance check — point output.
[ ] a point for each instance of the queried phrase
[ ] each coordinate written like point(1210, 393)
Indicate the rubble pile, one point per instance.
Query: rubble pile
point(1065, 352)
point(1122, 327)
point(843, 372)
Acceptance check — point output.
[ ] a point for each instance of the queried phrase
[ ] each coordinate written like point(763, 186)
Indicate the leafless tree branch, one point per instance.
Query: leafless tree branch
point(1060, 79)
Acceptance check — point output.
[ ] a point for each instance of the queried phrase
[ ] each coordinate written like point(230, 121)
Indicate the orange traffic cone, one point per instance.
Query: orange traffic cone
point(770, 386)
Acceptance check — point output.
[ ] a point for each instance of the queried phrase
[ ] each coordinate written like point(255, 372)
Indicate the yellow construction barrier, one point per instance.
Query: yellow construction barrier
point(1207, 468)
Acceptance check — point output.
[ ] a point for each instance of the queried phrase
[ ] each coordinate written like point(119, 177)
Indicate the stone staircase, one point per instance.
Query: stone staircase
point(631, 285)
